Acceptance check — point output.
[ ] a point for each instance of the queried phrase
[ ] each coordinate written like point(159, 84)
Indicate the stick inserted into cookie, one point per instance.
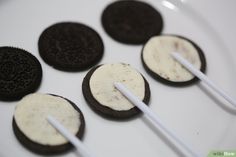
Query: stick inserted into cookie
point(73, 139)
point(203, 77)
point(153, 117)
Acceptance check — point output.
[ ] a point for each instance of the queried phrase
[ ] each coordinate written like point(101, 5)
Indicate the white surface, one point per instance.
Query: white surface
point(200, 118)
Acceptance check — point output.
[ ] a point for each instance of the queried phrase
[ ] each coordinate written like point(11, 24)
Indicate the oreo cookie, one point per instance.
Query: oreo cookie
point(131, 22)
point(32, 129)
point(70, 46)
point(20, 73)
point(105, 99)
point(163, 67)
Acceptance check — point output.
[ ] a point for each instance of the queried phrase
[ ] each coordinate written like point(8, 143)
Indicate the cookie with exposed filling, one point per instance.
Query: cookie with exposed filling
point(158, 62)
point(32, 129)
point(105, 99)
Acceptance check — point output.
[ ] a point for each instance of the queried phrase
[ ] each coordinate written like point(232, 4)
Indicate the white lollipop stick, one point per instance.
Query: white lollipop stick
point(73, 139)
point(152, 116)
point(203, 77)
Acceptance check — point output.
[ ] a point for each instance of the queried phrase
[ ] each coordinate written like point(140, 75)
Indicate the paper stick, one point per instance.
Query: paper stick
point(203, 77)
point(72, 138)
point(153, 117)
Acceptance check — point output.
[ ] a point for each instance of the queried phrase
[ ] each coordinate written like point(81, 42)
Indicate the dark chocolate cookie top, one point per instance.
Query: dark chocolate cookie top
point(70, 46)
point(131, 22)
point(20, 73)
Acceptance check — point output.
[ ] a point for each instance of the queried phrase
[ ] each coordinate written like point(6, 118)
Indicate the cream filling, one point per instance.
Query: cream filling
point(31, 113)
point(103, 90)
point(156, 55)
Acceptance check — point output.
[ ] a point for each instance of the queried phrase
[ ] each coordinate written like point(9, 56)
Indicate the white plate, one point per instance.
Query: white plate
point(202, 119)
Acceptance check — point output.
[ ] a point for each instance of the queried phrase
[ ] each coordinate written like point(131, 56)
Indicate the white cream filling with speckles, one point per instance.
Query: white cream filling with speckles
point(31, 113)
point(103, 90)
point(156, 55)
